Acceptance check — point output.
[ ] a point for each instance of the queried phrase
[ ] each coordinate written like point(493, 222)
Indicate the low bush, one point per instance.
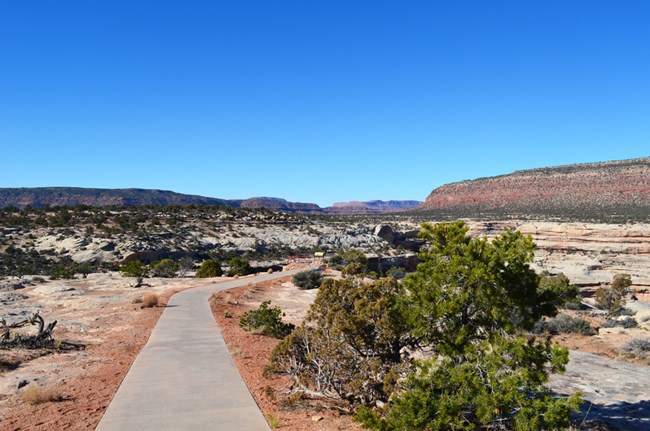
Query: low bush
point(165, 268)
point(623, 312)
point(239, 266)
point(612, 297)
point(306, 280)
point(564, 324)
point(627, 322)
point(266, 320)
point(637, 346)
point(149, 300)
point(134, 268)
point(396, 272)
point(210, 268)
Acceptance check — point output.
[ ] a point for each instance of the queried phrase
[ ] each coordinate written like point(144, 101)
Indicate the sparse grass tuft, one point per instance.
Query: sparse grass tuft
point(150, 300)
point(274, 421)
point(35, 395)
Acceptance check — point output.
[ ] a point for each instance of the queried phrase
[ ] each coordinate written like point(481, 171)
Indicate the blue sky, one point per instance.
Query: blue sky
point(316, 101)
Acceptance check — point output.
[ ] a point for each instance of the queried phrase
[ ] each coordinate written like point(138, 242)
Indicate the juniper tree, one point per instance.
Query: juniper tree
point(469, 301)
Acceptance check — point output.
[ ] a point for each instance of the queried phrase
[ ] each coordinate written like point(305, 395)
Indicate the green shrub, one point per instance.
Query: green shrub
point(62, 270)
point(397, 272)
point(266, 320)
point(568, 295)
point(306, 280)
point(346, 257)
point(239, 266)
point(134, 268)
point(165, 268)
point(209, 268)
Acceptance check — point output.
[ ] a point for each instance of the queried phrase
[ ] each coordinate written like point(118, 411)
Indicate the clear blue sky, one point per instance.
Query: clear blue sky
point(316, 101)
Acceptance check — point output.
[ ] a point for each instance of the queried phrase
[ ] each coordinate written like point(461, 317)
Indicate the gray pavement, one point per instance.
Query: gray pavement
point(184, 377)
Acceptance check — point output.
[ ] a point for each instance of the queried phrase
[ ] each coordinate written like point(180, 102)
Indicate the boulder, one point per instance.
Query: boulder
point(385, 232)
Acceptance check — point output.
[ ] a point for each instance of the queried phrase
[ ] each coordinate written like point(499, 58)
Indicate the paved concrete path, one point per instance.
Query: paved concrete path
point(184, 377)
point(619, 391)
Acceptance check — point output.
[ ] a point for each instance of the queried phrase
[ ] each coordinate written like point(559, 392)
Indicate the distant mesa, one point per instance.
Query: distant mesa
point(617, 189)
point(371, 207)
point(38, 197)
point(71, 196)
point(278, 204)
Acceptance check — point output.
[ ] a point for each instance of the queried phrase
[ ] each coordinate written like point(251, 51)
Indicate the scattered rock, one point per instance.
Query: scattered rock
point(107, 246)
point(9, 297)
point(8, 286)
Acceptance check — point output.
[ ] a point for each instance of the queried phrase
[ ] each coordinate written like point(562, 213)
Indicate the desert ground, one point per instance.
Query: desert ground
point(101, 312)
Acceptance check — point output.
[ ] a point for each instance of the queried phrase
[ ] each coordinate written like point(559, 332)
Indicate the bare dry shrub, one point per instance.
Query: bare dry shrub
point(136, 299)
point(35, 395)
point(150, 300)
point(214, 298)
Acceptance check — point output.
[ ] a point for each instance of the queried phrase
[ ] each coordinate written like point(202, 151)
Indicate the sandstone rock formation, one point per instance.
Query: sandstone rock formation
point(592, 191)
point(71, 196)
point(587, 253)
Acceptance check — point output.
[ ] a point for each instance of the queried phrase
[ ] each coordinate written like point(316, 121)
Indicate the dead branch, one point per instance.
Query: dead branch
point(41, 340)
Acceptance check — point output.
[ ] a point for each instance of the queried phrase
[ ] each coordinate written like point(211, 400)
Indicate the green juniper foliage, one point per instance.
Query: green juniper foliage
point(465, 310)
point(350, 345)
point(239, 266)
point(209, 268)
point(468, 301)
point(165, 268)
point(134, 268)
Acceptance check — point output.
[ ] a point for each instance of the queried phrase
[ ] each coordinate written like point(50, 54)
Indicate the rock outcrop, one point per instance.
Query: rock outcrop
point(588, 253)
